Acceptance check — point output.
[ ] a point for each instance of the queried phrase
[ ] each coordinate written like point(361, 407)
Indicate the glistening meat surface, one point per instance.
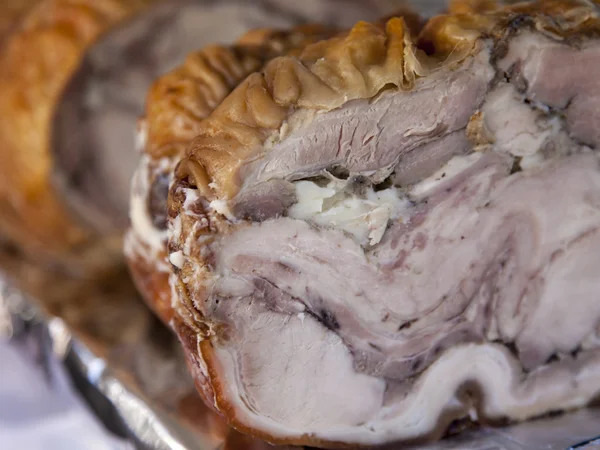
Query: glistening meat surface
point(368, 241)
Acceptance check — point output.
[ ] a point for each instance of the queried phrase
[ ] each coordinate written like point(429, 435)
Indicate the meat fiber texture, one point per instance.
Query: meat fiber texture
point(397, 228)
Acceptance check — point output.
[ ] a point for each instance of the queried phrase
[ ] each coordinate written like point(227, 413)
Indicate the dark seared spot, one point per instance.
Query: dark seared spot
point(340, 172)
point(358, 185)
point(516, 167)
point(556, 413)
point(375, 347)
point(519, 22)
point(385, 317)
point(512, 348)
point(406, 325)
point(460, 425)
point(329, 320)
point(385, 184)
point(416, 364)
point(437, 350)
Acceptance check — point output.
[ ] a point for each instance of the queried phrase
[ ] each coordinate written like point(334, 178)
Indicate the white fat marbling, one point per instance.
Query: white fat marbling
point(177, 259)
point(221, 207)
point(366, 218)
point(191, 197)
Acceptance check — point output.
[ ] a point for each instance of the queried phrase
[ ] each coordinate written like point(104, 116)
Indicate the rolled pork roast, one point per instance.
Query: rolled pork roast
point(391, 229)
point(175, 106)
point(178, 102)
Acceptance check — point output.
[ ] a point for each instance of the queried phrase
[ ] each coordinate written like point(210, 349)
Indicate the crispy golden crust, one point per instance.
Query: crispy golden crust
point(36, 61)
point(234, 440)
point(324, 76)
point(355, 65)
point(176, 105)
point(475, 18)
point(153, 286)
point(181, 99)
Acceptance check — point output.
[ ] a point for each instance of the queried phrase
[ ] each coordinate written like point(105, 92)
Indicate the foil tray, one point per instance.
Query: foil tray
point(139, 405)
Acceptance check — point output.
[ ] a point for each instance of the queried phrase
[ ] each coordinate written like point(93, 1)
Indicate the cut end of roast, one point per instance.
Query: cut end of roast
point(391, 265)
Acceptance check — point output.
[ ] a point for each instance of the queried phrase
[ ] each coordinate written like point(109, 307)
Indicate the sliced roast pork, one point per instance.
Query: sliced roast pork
point(176, 104)
point(181, 99)
point(388, 232)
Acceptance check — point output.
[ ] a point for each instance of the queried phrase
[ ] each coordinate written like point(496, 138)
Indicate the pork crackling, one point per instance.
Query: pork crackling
point(395, 228)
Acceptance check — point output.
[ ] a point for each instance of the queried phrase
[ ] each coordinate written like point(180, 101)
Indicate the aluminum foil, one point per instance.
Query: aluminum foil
point(141, 414)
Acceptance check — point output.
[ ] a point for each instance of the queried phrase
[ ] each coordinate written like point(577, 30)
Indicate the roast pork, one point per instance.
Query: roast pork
point(398, 227)
point(176, 104)
point(179, 100)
